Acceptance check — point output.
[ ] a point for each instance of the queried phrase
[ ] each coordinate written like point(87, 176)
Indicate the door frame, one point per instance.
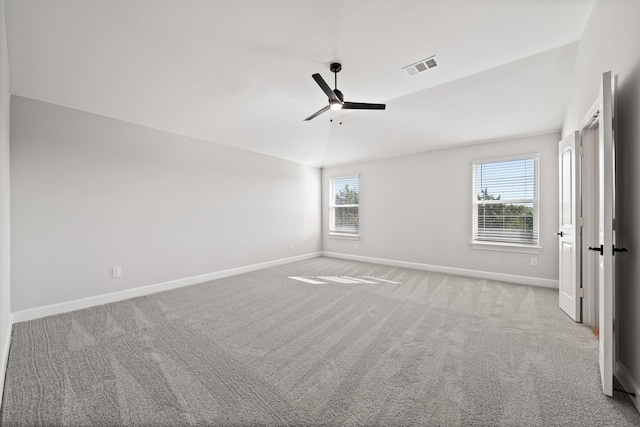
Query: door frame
point(589, 213)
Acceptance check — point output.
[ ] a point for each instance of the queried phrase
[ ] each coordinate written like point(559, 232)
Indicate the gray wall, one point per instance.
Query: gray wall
point(611, 42)
point(90, 193)
point(418, 209)
point(5, 315)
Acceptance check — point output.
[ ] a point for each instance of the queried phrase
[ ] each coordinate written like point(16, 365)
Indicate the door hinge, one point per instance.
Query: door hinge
point(581, 292)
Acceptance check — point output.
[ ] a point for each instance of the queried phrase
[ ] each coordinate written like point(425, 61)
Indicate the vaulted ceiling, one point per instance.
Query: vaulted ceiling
point(238, 72)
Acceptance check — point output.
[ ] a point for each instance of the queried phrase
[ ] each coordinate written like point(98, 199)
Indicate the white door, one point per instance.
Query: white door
point(569, 230)
point(606, 201)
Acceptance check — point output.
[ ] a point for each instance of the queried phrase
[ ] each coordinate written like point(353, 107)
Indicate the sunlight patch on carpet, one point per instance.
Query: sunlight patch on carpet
point(359, 280)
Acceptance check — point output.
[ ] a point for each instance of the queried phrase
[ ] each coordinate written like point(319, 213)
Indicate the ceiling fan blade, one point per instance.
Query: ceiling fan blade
point(362, 106)
point(325, 87)
point(317, 113)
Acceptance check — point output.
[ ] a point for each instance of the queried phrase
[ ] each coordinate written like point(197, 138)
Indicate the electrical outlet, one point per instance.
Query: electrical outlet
point(290, 246)
point(116, 272)
point(534, 262)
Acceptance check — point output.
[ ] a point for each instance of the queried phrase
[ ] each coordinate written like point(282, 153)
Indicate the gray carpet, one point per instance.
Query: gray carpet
point(342, 343)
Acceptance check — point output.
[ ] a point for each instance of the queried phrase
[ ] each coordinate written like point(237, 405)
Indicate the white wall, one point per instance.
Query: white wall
point(611, 42)
point(418, 209)
point(5, 314)
point(90, 193)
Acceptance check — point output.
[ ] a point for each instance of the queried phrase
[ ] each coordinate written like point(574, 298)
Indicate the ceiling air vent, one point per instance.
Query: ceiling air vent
point(421, 66)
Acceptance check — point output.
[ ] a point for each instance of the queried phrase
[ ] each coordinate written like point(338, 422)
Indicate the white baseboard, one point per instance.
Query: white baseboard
point(523, 280)
point(628, 383)
point(64, 307)
point(4, 356)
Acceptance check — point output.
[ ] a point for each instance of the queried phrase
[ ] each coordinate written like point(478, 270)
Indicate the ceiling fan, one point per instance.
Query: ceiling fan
point(336, 99)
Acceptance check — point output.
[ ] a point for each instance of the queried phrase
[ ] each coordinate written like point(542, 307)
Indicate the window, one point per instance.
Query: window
point(344, 206)
point(505, 201)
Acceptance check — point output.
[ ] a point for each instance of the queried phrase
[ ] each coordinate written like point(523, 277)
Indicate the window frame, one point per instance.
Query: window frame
point(533, 247)
point(332, 209)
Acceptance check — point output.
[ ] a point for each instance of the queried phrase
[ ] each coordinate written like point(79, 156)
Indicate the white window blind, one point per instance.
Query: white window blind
point(505, 202)
point(344, 205)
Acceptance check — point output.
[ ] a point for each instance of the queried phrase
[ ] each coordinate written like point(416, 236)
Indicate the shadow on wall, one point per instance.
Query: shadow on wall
point(628, 212)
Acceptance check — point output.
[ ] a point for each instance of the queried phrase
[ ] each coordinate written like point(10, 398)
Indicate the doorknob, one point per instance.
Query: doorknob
point(599, 249)
point(560, 233)
point(619, 250)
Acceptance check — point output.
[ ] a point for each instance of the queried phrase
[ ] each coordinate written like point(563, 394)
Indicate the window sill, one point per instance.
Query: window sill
point(506, 247)
point(344, 236)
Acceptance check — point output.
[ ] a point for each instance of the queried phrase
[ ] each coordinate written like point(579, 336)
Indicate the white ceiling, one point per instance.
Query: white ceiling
point(238, 72)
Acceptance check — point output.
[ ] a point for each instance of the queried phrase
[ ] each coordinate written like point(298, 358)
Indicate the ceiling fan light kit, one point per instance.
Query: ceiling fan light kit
point(336, 98)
